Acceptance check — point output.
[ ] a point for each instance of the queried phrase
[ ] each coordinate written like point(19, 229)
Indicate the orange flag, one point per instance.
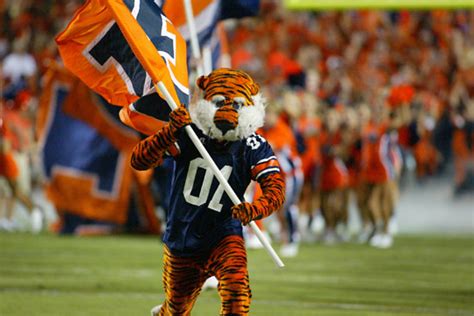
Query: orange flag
point(120, 49)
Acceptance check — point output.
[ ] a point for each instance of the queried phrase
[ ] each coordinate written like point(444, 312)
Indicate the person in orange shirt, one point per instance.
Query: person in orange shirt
point(377, 170)
point(309, 127)
point(279, 134)
point(355, 169)
point(351, 155)
point(10, 172)
point(396, 120)
point(334, 178)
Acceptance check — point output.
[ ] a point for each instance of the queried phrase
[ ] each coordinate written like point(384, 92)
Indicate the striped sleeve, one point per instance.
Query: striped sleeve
point(265, 166)
point(261, 158)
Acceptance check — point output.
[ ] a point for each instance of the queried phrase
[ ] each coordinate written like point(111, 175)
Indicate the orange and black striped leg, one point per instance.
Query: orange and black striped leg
point(183, 278)
point(228, 262)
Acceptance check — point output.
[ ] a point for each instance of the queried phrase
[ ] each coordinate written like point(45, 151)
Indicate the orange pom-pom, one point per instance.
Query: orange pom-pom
point(400, 95)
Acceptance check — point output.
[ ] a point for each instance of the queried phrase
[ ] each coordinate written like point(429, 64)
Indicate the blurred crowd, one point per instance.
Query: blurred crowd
point(371, 61)
point(364, 95)
point(355, 98)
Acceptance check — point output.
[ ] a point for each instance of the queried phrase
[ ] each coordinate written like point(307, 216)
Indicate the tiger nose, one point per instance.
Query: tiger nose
point(226, 118)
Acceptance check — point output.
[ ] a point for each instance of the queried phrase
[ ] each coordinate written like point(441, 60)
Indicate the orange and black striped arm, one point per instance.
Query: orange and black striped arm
point(149, 152)
point(273, 197)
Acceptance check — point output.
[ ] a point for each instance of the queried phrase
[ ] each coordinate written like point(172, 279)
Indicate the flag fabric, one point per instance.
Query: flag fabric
point(85, 149)
point(207, 14)
point(237, 9)
point(120, 49)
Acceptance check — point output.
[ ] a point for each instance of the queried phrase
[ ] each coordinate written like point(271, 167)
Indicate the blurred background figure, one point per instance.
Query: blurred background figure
point(334, 178)
point(279, 133)
point(11, 190)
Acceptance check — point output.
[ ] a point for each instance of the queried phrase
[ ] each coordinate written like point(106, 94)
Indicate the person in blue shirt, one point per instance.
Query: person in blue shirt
point(203, 234)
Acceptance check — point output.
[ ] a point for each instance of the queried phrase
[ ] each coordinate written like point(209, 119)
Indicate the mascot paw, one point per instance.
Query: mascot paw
point(245, 212)
point(179, 118)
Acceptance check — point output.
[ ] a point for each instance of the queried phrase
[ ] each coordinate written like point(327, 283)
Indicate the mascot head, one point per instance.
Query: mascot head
point(232, 107)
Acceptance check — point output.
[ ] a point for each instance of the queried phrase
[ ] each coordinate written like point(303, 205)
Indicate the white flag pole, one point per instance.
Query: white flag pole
point(222, 180)
point(207, 58)
point(188, 8)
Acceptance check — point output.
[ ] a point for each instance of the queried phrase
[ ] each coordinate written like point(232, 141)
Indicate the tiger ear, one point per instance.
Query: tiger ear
point(254, 88)
point(202, 82)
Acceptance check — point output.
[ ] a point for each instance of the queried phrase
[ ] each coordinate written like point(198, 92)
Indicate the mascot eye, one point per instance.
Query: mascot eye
point(218, 100)
point(238, 103)
point(219, 104)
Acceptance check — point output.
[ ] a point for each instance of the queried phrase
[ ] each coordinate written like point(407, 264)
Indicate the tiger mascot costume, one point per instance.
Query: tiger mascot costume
point(203, 236)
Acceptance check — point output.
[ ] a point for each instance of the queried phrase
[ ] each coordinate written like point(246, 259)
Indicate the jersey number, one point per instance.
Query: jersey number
point(255, 141)
point(202, 197)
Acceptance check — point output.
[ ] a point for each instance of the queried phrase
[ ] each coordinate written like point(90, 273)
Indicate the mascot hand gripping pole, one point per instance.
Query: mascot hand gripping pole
point(203, 234)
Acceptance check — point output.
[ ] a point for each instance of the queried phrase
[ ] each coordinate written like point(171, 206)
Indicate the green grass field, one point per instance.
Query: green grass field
point(420, 275)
